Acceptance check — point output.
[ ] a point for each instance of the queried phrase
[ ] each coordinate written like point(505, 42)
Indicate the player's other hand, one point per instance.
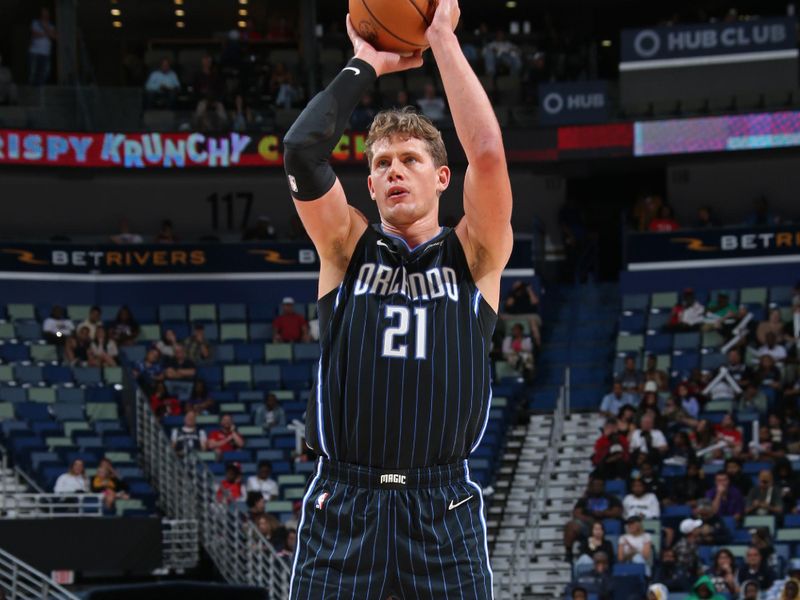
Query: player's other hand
point(382, 62)
point(445, 18)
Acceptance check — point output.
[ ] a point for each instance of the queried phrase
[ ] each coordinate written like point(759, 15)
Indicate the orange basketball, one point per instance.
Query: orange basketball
point(393, 25)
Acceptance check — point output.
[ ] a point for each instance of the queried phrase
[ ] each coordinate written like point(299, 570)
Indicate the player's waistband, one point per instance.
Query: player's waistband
point(394, 479)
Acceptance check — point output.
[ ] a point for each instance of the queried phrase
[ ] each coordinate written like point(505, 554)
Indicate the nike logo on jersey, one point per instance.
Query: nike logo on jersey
point(385, 245)
point(457, 504)
point(354, 70)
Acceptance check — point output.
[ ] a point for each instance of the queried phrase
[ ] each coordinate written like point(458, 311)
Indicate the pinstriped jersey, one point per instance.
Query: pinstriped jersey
point(404, 376)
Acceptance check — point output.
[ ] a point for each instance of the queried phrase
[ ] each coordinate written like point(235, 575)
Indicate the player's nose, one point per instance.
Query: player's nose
point(395, 171)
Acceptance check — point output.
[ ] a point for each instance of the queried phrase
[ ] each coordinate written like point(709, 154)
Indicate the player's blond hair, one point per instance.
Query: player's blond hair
point(406, 123)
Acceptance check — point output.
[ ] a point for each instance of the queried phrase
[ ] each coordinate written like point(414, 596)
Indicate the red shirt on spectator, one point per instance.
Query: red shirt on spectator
point(603, 446)
point(289, 327)
point(217, 435)
point(229, 491)
point(659, 225)
point(734, 436)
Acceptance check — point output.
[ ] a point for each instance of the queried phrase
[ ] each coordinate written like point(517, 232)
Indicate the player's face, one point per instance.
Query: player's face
point(404, 181)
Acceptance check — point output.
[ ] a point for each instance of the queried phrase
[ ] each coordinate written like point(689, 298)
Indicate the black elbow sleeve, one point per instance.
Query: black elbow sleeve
point(312, 138)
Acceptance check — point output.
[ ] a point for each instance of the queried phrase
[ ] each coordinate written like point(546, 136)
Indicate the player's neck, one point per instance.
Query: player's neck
point(415, 234)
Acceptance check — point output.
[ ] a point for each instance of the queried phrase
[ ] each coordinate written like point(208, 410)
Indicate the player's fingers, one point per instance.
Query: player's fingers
point(351, 31)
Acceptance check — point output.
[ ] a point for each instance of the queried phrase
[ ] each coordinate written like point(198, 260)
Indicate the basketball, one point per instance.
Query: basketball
point(393, 25)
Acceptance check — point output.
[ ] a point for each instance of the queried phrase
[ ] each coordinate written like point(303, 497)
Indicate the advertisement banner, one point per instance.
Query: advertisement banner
point(684, 45)
point(698, 248)
point(573, 103)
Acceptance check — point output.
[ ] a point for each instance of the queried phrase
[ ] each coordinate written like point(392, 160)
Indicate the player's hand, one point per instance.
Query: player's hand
point(445, 18)
point(382, 62)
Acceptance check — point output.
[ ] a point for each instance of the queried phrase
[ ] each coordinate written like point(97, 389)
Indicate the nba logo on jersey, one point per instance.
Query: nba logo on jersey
point(321, 499)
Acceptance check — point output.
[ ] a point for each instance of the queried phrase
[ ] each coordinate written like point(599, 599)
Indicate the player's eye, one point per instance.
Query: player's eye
point(411, 159)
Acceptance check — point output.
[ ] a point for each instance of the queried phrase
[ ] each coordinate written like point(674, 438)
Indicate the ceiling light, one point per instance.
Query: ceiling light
point(117, 24)
point(242, 1)
point(116, 12)
point(179, 12)
point(242, 24)
point(606, 43)
point(242, 12)
point(180, 24)
point(511, 4)
point(179, 2)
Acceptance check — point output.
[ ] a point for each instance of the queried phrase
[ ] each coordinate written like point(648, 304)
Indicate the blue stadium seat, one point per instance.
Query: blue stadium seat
point(28, 331)
point(660, 343)
point(46, 428)
point(71, 395)
point(684, 361)
point(296, 377)
point(260, 332)
point(266, 377)
point(28, 374)
point(55, 374)
point(13, 394)
point(686, 341)
point(100, 394)
point(181, 329)
point(635, 301)
point(145, 313)
point(172, 312)
point(632, 322)
point(133, 353)
point(228, 313)
point(224, 353)
point(68, 412)
point(263, 311)
point(210, 374)
point(32, 411)
point(88, 375)
point(306, 352)
point(15, 352)
point(249, 352)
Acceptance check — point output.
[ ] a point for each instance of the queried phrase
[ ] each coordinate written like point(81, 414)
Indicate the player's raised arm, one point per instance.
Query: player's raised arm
point(318, 195)
point(487, 189)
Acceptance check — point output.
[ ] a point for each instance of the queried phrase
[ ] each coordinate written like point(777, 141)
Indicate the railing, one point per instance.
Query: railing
point(180, 544)
point(187, 491)
point(20, 581)
point(47, 506)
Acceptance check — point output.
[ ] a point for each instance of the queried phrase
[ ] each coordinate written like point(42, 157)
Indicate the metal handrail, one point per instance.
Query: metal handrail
point(45, 506)
point(20, 581)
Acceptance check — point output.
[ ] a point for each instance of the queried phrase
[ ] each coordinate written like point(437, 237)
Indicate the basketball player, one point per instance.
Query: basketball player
point(407, 309)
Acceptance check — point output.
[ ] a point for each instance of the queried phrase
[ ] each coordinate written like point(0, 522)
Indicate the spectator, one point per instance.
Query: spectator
point(162, 86)
point(713, 531)
point(107, 482)
point(728, 432)
point(723, 573)
point(43, 34)
point(595, 505)
point(231, 489)
point(432, 105)
point(579, 593)
point(210, 116)
point(787, 482)
point(591, 546)
point(750, 591)
point(765, 498)
point(255, 505)
point(57, 328)
point(652, 480)
point(179, 366)
point(671, 573)
point(761, 214)
point(267, 525)
point(402, 100)
point(766, 448)
point(653, 373)
point(74, 481)
point(626, 420)
point(598, 580)
point(704, 589)
point(611, 458)
point(188, 438)
point(502, 52)
point(364, 113)
point(207, 83)
point(522, 301)
point(761, 538)
point(166, 234)
point(772, 348)
point(687, 490)
point(688, 315)
point(198, 350)
point(648, 441)
point(754, 568)
point(518, 351)
point(632, 380)
point(753, 400)
point(263, 483)
point(767, 374)
point(686, 553)
point(773, 324)
point(287, 552)
point(125, 236)
point(640, 502)
point(124, 329)
point(103, 352)
point(242, 117)
point(149, 371)
point(675, 420)
point(93, 320)
point(282, 86)
point(200, 401)
point(635, 546)
point(726, 499)
point(289, 326)
point(166, 345)
point(77, 347)
point(738, 371)
point(650, 403)
point(613, 402)
point(665, 221)
point(776, 591)
point(226, 438)
point(163, 403)
point(721, 315)
point(8, 89)
point(264, 230)
point(705, 218)
point(270, 414)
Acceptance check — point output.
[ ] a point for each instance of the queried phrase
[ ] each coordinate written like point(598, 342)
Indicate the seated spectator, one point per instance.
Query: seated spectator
point(778, 589)
point(103, 351)
point(267, 526)
point(722, 314)
point(518, 351)
point(77, 347)
point(289, 326)
point(665, 221)
point(263, 483)
point(243, 118)
point(611, 459)
point(754, 568)
point(179, 366)
point(166, 234)
point(704, 441)
point(255, 505)
point(688, 315)
point(188, 438)
point(723, 573)
point(686, 552)
point(675, 419)
point(761, 538)
point(752, 399)
point(713, 531)
point(166, 345)
point(593, 545)
point(681, 452)
point(726, 499)
point(635, 546)
point(432, 105)
point(226, 438)
point(704, 589)
point(502, 52)
point(8, 89)
point(767, 374)
point(787, 482)
point(688, 489)
point(653, 373)
point(598, 580)
point(671, 573)
point(773, 325)
point(523, 301)
point(648, 441)
point(264, 230)
point(163, 403)
point(640, 502)
point(632, 380)
point(207, 82)
point(125, 236)
point(761, 214)
point(650, 403)
point(200, 401)
point(740, 373)
point(74, 481)
point(652, 480)
point(626, 421)
point(772, 348)
point(231, 489)
point(210, 116)
point(688, 402)
point(107, 482)
point(282, 86)
point(270, 414)
point(57, 327)
point(765, 498)
point(750, 591)
point(579, 593)
point(727, 431)
point(595, 505)
point(613, 402)
point(705, 218)
point(198, 350)
point(124, 329)
point(289, 545)
point(364, 113)
point(162, 86)
point(149, 371)
point(93, 320)
point(766, 447)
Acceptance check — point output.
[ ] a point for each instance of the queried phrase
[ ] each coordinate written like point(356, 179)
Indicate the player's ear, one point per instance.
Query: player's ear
point(443, 175)
point(371, 187)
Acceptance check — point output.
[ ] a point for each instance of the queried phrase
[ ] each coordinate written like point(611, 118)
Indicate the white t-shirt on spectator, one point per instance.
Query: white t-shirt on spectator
point(267, 487)
point(694, 314)
point(54, 326)
point(637, 542)
point(159, 79)
point(433, 108)
point(778, 353)
point(646, 507)
point(41, 44)
point(70, 484)
point(638, 441)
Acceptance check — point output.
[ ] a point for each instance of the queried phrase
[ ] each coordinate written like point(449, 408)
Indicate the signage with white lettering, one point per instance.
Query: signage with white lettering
point(573, 103)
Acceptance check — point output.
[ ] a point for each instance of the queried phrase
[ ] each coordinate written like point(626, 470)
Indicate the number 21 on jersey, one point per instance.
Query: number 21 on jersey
point(400, 318)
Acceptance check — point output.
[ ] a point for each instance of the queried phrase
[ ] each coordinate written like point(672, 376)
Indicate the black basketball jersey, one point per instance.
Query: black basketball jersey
point(404, 377)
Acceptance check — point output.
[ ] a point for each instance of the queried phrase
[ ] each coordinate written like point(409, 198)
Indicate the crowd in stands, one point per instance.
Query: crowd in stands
point(652, 214)
point(693, 464)
point(517, 338)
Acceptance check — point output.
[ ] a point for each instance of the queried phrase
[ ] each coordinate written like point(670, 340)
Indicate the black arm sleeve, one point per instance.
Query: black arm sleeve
point(310, 141)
